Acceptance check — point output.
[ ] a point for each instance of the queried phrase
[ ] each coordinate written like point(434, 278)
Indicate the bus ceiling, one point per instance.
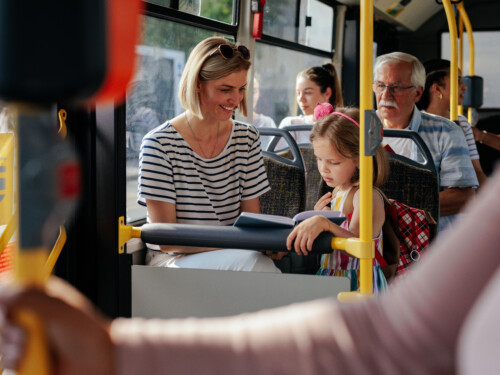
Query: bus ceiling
point(408, 14)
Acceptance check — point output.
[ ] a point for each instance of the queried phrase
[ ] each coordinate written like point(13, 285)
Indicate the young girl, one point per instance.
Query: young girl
point(314, 85)
point(335, 139)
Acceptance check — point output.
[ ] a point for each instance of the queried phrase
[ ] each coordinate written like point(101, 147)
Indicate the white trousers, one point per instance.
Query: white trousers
point(226, 259)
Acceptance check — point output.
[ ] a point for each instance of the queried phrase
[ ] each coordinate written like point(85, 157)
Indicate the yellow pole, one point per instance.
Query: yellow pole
point(366, 173)
point(460, 54)
point(465, 19)
point(56, 251)
point(452, 26)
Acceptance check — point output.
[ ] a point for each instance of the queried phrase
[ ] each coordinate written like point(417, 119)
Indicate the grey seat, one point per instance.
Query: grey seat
point(287, 177)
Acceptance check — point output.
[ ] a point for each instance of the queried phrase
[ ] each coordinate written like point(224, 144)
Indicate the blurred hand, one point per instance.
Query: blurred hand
point(76, 334)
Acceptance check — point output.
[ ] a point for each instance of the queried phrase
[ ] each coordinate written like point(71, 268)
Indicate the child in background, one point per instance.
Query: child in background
point(314, 85)
point(335, 139)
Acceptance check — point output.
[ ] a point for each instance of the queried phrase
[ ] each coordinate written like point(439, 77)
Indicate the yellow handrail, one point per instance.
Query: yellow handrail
point(452, 26)
point(364, 246)
point(460, 54)
point(8, 232)
point(56, 251)
point(62, 123)
point(465, 19)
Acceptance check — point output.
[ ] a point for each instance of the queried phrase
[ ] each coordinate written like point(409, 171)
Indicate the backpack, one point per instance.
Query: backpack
point(407, 234)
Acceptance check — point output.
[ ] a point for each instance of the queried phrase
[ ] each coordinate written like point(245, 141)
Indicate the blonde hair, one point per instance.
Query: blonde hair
point(205, 64)
point(344, 136)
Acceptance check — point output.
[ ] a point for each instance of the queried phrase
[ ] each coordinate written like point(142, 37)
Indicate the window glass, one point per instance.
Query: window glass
point(314, 28)
point(277, 85)
point(487, 60)
point(152, 95)
point(219, 10)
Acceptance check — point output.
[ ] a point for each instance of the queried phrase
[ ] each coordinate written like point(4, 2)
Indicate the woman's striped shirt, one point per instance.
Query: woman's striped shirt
point(204, 191)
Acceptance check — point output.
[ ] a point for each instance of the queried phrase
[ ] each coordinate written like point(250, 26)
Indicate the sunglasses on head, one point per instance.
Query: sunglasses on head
point(227, 52)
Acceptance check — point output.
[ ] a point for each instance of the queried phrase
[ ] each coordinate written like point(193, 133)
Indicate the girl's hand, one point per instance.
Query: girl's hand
point(305, 233)
point(323, 202)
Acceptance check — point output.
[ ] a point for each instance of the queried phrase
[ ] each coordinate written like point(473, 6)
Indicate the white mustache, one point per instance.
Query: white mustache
point(388, 103)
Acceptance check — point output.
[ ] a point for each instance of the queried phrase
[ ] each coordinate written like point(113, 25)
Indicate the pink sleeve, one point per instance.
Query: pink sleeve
point(413, 329)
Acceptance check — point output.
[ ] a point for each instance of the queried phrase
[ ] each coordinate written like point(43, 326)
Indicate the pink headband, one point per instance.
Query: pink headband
point(324, 109)
point(347, 117)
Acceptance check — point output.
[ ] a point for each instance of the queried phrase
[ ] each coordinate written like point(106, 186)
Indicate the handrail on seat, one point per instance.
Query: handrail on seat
point(304, 127)
point(415, 137)
point(296, 161)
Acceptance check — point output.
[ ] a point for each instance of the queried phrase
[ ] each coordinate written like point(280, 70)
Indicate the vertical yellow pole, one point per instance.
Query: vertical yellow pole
point(366, 173)
point(460, 54)
point(452, 26)
point(465, 19)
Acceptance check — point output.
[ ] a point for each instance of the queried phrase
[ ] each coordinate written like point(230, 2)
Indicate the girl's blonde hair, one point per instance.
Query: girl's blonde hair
point(205, 63)
point(344, 136)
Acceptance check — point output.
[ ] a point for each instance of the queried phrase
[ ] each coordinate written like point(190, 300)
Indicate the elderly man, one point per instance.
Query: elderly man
point(398, 83)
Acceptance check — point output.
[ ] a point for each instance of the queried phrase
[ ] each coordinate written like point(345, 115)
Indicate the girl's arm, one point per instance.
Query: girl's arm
point(378, 214)
point(164, 212)
point(306, 232)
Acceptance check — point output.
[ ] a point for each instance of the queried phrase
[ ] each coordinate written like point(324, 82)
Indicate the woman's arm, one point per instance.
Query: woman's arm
point(250, 205)
point(486, 138)
point(164, 212)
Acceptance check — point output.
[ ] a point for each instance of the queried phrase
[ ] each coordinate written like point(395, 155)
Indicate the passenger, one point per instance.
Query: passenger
point(436, 100)
point(335, 140)
point(202, 167)
point(260, 120)
point(318, 84)
point(399, 80)
point(434, 321)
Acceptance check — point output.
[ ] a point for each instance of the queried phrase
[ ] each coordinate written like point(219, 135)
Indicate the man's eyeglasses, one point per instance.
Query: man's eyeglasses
point(393, 90)
point(227, 52)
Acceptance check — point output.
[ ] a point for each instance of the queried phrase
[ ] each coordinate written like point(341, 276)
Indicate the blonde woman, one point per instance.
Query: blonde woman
point(202, 167)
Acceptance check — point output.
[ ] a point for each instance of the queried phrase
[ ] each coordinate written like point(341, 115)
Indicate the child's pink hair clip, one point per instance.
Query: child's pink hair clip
point(321, 110)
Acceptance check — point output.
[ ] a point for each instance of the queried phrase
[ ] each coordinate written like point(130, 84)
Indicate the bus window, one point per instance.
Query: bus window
point(313, 28)
point(486, 62)
point(277, 87)
point(220, 10)
point(289, 45)
point(152, 95)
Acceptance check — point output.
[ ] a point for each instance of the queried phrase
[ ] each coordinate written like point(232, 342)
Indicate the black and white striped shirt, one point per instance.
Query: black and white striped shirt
point(204, 191)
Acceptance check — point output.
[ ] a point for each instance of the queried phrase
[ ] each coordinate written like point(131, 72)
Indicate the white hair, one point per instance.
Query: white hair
point(417, 71)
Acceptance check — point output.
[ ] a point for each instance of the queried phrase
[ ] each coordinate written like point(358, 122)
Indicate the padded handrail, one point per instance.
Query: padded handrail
point(304, 127)
point(297, 160)
point(415, 137)
point(250, 238)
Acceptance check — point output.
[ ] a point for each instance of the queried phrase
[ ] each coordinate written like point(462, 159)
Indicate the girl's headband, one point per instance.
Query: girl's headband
point(324, 109)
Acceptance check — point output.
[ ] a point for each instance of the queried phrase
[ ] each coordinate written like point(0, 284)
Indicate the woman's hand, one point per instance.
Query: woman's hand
point(306, 232)
point(323, 202)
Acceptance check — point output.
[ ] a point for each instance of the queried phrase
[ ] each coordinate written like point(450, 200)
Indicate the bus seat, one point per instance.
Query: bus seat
point(313, 177)
point(419, 187)
point(408, 184)
point(287, 197)
point(286, 176)
point(414, 186)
